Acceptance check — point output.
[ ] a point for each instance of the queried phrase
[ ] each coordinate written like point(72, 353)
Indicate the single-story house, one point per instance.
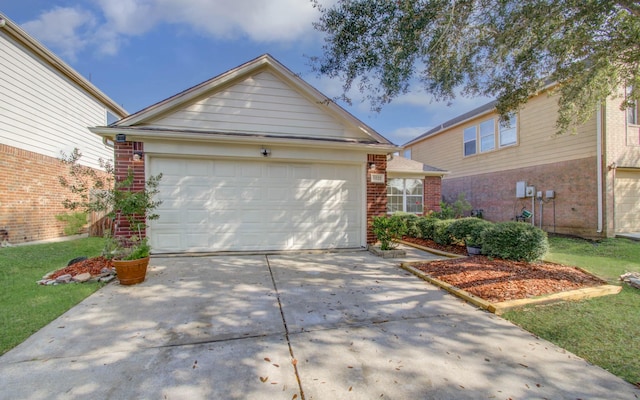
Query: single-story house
point(255, 159)
point(46, 108)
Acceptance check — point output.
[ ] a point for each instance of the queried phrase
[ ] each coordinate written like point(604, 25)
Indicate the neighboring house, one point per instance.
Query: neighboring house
point(46, 108)
point(585, 184)
point(255, 159)
point(412, 186)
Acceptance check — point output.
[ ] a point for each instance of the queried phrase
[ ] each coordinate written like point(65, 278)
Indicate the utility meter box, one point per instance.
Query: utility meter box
point(520, 189)
point(530, 191)
point(551, 194)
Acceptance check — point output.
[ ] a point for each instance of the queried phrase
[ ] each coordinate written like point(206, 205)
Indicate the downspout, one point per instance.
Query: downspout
point(599, 164)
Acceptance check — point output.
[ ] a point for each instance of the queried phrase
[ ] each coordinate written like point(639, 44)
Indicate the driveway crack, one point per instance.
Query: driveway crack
point(294, 361)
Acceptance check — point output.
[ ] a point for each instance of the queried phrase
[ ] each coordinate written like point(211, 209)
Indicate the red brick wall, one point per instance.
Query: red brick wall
point(432, 193)
point(31, 195)
point(376, 192)
point(125, 162)
point(574, 210)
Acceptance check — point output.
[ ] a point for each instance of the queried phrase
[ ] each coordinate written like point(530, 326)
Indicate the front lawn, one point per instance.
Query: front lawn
point(603, 330)
point(26, 306)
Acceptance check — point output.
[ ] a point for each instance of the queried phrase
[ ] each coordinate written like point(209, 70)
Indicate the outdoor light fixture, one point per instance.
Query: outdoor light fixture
point(372, 166)
point(265, 152)
point(137, 155)
point(121, 138)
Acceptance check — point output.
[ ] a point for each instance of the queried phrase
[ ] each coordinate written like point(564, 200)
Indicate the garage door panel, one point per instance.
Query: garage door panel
point(222, 205)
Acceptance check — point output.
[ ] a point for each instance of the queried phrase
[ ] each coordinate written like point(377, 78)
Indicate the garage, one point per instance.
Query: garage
point(254, 159)
point(627, 200)
point(212, 205)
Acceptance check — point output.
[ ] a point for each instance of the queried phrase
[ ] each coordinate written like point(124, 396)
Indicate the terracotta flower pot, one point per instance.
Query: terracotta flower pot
point(130, 272)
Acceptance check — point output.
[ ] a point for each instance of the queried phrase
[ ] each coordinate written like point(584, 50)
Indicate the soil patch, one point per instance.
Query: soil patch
point(496, 280)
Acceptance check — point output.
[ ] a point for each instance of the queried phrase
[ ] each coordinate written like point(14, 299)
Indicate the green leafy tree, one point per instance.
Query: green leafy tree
point(507, 49)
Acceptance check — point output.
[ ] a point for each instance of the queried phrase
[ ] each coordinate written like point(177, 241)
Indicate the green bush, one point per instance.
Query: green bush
point(515, 241)
point(426, 225)
point(468, 230)
point(409, 223)
point(75, 222)
point(441, 233)
point(386, 230)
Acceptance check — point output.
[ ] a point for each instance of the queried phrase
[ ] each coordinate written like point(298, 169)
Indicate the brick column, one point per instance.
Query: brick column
point(432, 193)
point(125, 161)
point(376, 192)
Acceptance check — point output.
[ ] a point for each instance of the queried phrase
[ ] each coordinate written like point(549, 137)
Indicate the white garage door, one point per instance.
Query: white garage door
point(231, 205)
point(627, 192)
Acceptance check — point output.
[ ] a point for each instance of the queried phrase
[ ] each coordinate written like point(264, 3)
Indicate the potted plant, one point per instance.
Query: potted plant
point(134, 207)
point(123, 202)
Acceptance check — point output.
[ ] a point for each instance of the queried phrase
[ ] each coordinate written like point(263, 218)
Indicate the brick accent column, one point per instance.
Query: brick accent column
point(125, 161)
point(376, 192)
point(432, 193)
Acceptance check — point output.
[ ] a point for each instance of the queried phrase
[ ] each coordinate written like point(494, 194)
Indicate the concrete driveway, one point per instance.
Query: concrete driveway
point(304, 326)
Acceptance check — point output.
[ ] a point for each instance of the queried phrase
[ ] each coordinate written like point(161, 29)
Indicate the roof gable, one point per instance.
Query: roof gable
point(260, 97)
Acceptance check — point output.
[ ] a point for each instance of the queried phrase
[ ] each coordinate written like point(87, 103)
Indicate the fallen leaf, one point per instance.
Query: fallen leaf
point(264, 379)
point(267, 359)
point(350, 388)
point(295, 396)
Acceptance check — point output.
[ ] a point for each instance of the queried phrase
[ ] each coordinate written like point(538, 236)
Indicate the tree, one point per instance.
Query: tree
point(507, 49)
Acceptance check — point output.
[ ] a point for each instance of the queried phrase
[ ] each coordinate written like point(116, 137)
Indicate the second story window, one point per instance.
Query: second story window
point(489, 135)
point(470, 141)
point(508, 131)
point(487, 132)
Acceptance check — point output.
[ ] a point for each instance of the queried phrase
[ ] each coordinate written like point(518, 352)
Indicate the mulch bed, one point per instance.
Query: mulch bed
point(497, 280)
point(93, 266)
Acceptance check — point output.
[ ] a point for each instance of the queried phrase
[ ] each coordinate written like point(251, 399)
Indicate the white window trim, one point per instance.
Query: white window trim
point(497, 138)
point(404, 196)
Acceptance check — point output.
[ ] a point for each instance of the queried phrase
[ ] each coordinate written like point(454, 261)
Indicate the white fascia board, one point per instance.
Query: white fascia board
point(140, 135)
point(415, 174)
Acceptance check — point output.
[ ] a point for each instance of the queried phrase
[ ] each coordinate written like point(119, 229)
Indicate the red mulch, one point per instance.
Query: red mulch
point(93, 266)
point(497, 280)
point(454, 249)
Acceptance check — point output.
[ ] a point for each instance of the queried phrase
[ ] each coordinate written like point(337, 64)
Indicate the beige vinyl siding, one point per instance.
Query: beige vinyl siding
point(43, 111)
point(537, 144)
point(261, 103)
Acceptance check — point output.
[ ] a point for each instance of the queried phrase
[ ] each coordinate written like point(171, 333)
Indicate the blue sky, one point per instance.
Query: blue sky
point(140, 52)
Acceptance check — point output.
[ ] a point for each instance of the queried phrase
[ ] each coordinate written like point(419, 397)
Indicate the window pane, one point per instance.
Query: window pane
point(632, 115)
point(470, 134)
point(470, 141)
point(487, 135)
point(414, 204)
point(413, 186)
point(470, 148)
point(394, 203)
point(508, 131)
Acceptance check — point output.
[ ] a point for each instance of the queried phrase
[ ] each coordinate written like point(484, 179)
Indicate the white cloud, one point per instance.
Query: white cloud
point(72, 29)
point(67, 29)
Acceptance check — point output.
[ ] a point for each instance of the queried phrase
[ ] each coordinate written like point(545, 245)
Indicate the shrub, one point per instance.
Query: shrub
point(386, 230)
point(409, 223)
point(75, 222)
point(441, 233)
point(515, 241)
point(468, 230)
point(426, 226)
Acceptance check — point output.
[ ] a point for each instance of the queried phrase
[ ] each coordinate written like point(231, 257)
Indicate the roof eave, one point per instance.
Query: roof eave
point(138, 134)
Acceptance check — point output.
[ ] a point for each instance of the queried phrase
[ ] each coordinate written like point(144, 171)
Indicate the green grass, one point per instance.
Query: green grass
point(603, 330)
point(25, 306)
